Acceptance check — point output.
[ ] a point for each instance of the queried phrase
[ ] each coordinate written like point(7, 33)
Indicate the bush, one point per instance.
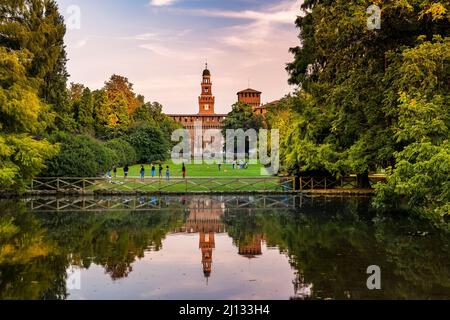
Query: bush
point(125, 153)
point(79, 156)
point(150, 144)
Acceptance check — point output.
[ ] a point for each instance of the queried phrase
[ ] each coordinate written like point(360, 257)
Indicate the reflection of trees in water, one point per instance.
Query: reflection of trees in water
point(31, 266)
point(113, 240)
point(331, 244)
point(36, 250)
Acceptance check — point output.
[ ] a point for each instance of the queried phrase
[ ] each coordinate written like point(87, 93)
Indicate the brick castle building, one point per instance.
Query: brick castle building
point(206, 103)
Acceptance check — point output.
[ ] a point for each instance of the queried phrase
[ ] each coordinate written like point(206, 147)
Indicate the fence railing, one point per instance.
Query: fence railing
point(161, 202)
point(325, 183)
point(216, 184)
point(83, 185)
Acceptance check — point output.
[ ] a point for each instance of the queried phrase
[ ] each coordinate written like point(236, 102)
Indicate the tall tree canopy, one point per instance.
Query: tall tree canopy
point(359, 86)
point(36, 27)
point(23, 117)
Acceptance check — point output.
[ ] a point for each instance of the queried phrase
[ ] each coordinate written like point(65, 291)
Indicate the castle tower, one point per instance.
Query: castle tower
point(250, 97)
point(206, 100)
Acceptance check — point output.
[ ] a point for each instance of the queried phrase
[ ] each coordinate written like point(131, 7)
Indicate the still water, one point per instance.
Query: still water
point(216, 247)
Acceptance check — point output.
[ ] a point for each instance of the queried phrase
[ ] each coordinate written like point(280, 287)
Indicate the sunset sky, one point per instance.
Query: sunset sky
point(162, 46)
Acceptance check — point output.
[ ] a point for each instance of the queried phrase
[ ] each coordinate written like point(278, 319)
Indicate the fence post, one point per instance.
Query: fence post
point(301, 184)
point(312, 183)
point(32, 184)
point(57, 184)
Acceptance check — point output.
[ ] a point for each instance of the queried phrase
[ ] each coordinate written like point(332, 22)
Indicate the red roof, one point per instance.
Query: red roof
point(249, 91)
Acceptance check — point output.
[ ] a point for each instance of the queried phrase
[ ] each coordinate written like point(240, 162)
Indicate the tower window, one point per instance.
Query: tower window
point(206, 107)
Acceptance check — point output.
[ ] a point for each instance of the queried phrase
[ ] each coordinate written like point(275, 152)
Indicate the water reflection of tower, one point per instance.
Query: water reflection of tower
point(205, 217)
point(207, 245)
point(252, 249)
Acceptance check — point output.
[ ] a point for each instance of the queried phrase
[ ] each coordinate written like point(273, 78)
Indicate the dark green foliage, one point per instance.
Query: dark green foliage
point(124, 151)
point(36, 27)
point(150, 144)
point(79, 156)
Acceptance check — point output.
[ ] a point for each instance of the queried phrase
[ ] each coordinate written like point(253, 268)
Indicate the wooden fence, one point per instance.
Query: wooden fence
point(207, 185)
point(174, 185)
point(326, 183)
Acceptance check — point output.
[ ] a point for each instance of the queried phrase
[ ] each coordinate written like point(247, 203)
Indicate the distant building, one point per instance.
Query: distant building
point(206, 103)
point(252, 97)
point(206, 113)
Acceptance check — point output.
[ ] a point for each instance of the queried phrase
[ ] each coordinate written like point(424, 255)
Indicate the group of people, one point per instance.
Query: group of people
point(126, 170)
point(153, 171)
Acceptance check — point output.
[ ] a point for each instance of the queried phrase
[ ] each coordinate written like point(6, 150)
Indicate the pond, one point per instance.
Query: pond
point(216, 247)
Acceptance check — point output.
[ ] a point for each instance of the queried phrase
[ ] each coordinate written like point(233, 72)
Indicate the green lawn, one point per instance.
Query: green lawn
point(198, 170)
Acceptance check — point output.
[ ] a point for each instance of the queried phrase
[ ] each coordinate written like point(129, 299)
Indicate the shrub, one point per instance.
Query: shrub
point(79, 156)
point(125, 153)
point(150, 144)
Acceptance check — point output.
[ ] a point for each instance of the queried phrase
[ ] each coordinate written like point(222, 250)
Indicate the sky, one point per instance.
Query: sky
point(161, 46)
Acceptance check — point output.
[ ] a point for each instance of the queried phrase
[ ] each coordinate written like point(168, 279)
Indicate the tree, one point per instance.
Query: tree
point(22, 118)
point(111, 117)
point(150, 144)
point(118, 88)
point(83, 109)
point(421, 76)
point(124, 151)
point(36, 27)
point(341, 65)
point(79, 156)
point(151, 114)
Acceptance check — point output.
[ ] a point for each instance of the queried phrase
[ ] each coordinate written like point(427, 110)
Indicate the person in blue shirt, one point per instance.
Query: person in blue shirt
point(142, 173)
point(167, 173)
point(153, 170)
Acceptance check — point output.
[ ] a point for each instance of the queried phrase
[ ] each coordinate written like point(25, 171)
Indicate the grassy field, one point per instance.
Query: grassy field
point(198, 171)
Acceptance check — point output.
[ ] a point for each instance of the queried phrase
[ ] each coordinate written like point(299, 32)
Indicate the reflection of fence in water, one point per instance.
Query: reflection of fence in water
point(216, 184)
point(154, 203)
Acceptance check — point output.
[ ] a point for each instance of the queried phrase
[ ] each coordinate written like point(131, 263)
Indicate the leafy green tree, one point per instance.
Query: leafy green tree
point(37, 27)
point(150, 144)
point(421, 77)
point(22, 118)
point(242, 117)
point(79, 156)
point(111, 116)
point(151, 114)
point(83, 109)
point(124, 151)
point(343, 67)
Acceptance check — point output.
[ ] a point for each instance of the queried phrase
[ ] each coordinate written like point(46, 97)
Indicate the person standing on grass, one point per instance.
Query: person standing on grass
point(125, 171)
point(220, 167)
point(142, 173)
point(160, 171)
point(153, 170)
point(167, 173)
point(115, 171)
point(234, 164)
point(183, 170)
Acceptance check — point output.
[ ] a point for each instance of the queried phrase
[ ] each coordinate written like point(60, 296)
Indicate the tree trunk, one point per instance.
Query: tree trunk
point(363, 180)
